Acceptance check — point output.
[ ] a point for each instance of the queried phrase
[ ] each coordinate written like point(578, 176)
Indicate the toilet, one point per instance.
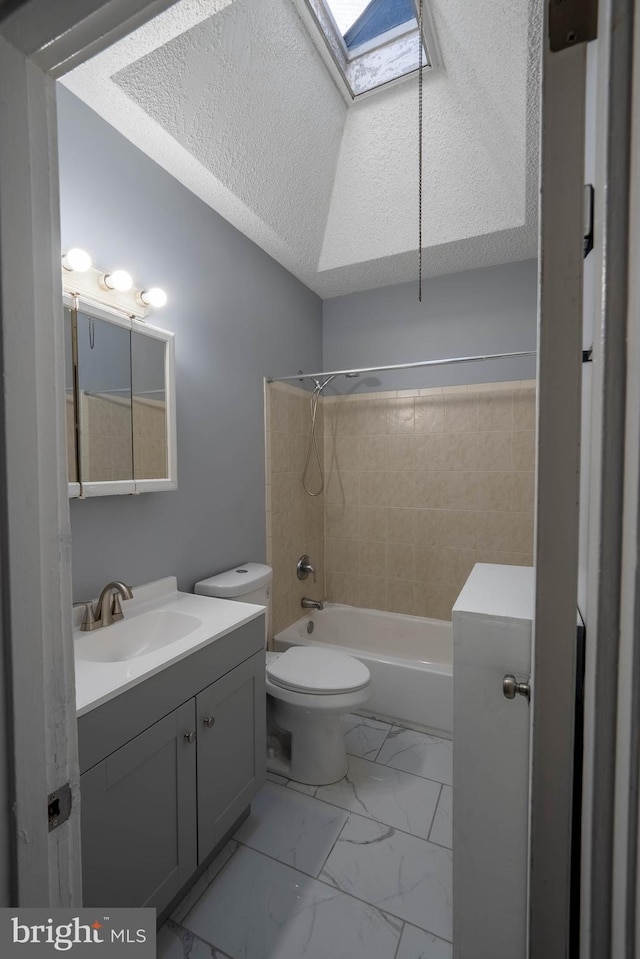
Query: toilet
point(308, 689)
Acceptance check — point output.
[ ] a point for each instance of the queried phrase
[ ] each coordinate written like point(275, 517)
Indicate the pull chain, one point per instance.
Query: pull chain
point(92, 334)
point(420, 76)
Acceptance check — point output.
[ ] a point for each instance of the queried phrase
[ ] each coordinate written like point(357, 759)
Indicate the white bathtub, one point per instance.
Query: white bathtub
point(410, 660)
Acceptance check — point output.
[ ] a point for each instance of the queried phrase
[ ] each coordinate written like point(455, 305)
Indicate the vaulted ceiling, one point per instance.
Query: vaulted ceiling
point(233, 99)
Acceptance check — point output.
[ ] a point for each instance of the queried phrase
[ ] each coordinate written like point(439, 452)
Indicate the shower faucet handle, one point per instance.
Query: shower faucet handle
point(304, 567)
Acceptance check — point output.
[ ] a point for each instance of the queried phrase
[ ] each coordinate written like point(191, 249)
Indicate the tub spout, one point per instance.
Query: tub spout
point(311, 603)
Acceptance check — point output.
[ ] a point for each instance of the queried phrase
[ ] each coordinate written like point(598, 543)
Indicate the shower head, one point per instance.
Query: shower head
point(319, 387)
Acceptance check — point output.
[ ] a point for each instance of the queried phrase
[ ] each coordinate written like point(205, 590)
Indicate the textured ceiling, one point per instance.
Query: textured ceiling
point(233, 99)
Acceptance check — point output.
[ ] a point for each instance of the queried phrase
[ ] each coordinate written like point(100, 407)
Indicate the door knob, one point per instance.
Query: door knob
point(190, 736)
point(209, 721)
point(511, 687)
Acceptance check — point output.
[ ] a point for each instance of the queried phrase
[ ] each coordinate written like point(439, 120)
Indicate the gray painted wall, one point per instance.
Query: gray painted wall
point(237, 316)
point(491, 310)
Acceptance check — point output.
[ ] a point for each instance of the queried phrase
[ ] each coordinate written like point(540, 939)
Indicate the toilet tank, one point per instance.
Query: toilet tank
point(249, 583)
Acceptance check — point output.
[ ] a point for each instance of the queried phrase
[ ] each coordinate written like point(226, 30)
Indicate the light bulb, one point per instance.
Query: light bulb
point(77, 261)
point(154, 297)
point(119, 280)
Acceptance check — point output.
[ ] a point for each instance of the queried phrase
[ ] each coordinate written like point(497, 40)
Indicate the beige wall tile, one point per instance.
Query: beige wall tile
point(400, 415)
point(494, 450)
point(495, 411)
point(524, 409)
point(400, 596)
point(372, 559)
point(372, 524)
point(524, 452)
point(372, 452)
point(345, 556)
point(430, 527)
point(345, 452)
point(342, 487)
point(279, 411)
point(297, 452)
point(522, 499)
point(430, 490)
point(429, 451)
point(279, 452)
point(458, 490)
point(494, 530)
point(460, 412)
point(400, 560)
point(459, 528)
point(373, 592)
point(294, 404)
point(402, 525)
point(429, 413)
point(400, 452)
point(493, 491)
point(344, 418)
point(373, 489)
point(428, 564)
point(460, 451)
point(401, 489)
point(522, 532)
point(372, 417)
point(346, 589)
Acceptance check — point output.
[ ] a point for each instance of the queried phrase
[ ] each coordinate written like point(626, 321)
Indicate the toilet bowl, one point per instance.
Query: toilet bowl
point(308, 690)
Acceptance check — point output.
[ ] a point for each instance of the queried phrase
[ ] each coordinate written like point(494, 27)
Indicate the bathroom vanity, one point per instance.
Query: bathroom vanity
point(171, 756)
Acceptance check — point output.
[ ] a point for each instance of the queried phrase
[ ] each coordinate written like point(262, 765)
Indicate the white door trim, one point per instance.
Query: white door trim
point(557, 496)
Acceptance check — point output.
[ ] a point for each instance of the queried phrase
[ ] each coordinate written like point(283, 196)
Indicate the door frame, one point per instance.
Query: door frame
point(40, 43)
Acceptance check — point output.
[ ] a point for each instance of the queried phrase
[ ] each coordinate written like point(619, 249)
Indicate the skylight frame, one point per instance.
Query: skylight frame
point(358, 72)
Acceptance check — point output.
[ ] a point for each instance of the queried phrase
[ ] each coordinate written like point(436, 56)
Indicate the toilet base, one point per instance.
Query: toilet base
point(318, 755)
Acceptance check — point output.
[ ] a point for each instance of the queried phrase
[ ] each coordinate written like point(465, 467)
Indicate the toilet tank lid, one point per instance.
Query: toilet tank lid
point(236, 582)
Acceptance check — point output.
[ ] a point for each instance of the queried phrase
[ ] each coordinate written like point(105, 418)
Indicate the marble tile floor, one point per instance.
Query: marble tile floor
point(360, 869)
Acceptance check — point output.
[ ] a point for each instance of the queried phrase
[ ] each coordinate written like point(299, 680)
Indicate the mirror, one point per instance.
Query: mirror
point(121, 417)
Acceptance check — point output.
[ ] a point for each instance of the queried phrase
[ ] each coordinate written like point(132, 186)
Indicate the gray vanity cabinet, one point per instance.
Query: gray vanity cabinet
point(231, 747)
point(168, 768)
point(139, 817)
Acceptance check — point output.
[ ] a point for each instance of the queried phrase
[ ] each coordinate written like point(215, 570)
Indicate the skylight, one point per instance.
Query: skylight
point(369, 43)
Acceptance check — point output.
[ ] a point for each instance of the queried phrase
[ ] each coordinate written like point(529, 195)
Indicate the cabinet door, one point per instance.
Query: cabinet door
point(231, 749)
point(139, 817)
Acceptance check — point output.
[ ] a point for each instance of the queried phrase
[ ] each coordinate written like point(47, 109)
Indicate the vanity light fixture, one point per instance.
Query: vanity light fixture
point(119, 280)
point(153, 297)
point(76, 261)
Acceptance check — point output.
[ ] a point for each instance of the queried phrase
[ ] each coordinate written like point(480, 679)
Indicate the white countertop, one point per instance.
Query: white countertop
point(98, 682)
point(503, 592)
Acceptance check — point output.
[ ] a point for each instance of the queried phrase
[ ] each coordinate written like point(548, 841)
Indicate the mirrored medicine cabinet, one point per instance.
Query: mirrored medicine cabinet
point(120, 402)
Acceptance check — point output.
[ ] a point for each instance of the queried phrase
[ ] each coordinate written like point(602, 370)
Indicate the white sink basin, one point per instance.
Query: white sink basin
point(138, 636)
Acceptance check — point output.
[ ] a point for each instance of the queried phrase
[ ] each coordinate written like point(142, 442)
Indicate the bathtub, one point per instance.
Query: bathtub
point(410, 660)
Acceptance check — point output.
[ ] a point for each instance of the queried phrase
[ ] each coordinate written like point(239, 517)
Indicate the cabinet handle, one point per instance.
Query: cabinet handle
point(209, 721)
point(190, 737)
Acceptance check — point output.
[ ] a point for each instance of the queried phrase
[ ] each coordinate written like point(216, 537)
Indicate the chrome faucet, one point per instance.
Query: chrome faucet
point(304, 567)
point(311, 603)
point(108, 609)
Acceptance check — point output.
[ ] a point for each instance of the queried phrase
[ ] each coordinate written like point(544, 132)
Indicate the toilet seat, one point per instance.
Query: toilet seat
point(307, 669)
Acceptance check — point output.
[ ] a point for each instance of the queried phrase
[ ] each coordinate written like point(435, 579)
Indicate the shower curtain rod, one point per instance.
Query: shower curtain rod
point(401, 366)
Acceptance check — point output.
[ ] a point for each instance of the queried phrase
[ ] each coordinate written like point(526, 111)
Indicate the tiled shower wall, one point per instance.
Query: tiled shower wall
point(420, 486)
point(295, 520)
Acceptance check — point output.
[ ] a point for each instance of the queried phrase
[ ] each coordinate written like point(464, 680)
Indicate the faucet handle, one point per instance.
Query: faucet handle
point(89, 619)
point(304, 567)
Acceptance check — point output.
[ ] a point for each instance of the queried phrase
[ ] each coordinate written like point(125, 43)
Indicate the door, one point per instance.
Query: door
point(139, 817)
point(231, 737)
